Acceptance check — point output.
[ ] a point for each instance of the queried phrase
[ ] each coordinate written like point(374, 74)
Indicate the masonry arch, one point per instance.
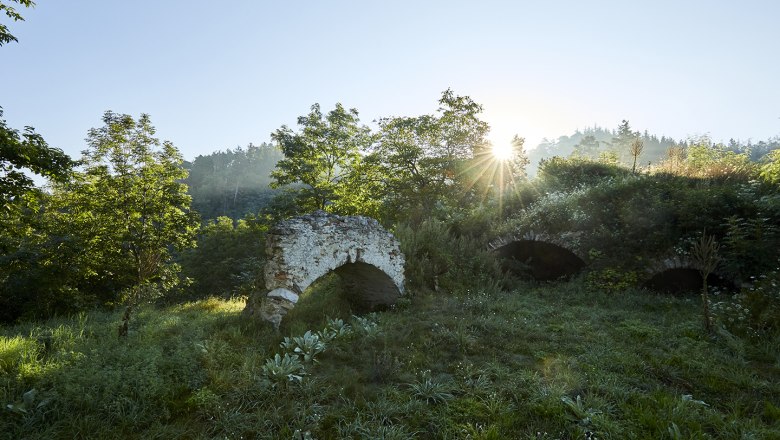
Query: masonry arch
point(679, 275)
point(303, 249)
point(540, 257)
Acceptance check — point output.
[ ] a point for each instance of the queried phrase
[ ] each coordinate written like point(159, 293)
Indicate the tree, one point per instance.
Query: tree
point(232, 183)
point(622, 141)
point(770, 170)
point(432, 159)
point(705, 254)
point(129, 203)
point(320, 157)
point(519, 160)
point(635, 149)
point(588, 147)
point(26, 151)
point(10, 12)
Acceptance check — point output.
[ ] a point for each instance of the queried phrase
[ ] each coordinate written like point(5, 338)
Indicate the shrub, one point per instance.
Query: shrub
point(559, 174)
point(610, 280)
point(436, 257)
point(227, 260)
point(755, 311)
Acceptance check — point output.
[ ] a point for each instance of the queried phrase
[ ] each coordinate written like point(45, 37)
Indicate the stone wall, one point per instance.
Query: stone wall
point(302, 249)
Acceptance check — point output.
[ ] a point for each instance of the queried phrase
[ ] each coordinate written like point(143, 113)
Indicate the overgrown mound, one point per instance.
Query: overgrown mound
point(627, 221)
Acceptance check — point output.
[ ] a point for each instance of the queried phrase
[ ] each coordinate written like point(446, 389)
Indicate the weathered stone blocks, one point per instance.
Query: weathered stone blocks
point(302, 249)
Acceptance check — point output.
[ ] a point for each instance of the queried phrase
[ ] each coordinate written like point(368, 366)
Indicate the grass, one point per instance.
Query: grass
point(550, 361)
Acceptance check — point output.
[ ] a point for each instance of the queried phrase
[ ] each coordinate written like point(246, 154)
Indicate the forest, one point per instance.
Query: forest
point(611, 284)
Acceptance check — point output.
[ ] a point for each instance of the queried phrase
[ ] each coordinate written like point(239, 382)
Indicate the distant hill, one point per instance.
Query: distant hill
point(232, 183)
point(595, 141)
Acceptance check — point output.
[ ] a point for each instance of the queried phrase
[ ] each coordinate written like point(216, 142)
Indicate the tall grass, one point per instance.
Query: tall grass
point(553, 361)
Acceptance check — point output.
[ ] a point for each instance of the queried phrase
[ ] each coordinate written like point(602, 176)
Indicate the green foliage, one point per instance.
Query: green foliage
point(10, 12)
point(107, 232)
point(763, 301)
point(284, 369)
point(707, 160)
point(439, 258)
point(633, 220)
point(129, 202)
point(639, 364)
point(559, 174)
point(610, 280)
point(429, 389)
point(754, 312)
point(335, 329)
point(307, 346)
point(322, 158)
point(25, 151)
point(749, 244)
point(227, 259)
point(770, 170)
point(432, 157)
point(232, 183)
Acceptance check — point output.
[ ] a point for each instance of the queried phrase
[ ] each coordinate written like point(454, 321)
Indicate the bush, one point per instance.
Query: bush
point(610, 280)
point(227, 260)
point(559, 174)
point(438, 258)
point(755, 311)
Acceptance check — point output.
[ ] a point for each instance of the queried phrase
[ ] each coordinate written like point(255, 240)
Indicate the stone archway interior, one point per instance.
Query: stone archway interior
point(367, 287)
point(539, 260)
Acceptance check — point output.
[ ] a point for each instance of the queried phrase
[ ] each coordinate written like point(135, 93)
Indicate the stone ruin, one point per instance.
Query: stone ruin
point(540, 256)
point(303, 249)
point(678, 274)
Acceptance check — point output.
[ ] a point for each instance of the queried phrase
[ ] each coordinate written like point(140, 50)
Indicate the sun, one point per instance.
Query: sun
point(502, 151)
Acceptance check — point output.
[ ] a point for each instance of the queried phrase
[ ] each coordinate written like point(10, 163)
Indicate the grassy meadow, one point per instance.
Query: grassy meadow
point(539, 361)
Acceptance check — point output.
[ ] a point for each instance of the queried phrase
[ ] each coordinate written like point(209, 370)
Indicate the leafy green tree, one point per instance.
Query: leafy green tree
point(26, 151)
point(10, 12)
point(707, 160)
point(321, 157)
point(432, 159)
point(129, 203)
point(770, 170)
point(519, 159)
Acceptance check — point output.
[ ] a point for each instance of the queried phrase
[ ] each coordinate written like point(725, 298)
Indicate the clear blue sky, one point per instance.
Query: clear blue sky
point(216, 75)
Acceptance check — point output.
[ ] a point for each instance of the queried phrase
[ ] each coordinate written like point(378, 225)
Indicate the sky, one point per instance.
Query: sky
point(217, 75)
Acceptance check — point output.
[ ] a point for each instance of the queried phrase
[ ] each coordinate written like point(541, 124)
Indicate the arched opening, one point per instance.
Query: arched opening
point(684, 280)
point(353, 288)
point(367, 287)
point(539, 260)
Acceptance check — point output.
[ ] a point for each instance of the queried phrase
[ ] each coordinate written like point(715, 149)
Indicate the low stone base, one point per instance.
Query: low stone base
point(268, 308)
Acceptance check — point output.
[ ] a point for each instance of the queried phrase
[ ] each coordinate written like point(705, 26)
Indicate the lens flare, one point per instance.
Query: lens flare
point(502, 151)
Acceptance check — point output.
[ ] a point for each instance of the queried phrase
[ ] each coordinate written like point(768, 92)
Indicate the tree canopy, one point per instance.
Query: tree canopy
point(10, 12)
point(26, 151)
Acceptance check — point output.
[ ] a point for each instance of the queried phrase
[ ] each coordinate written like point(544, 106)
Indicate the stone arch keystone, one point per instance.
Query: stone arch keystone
point(303, 249)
